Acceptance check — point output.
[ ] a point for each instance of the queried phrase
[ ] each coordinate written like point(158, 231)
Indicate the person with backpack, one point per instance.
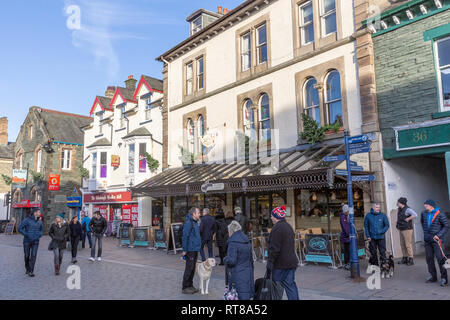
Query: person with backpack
point(435, 226)
point(75, 236)
point(98, 226)
point(86, 231)
point(191, 246)
point(31, 228)
point(208, 228)
point(241, 219)
point(59, 232)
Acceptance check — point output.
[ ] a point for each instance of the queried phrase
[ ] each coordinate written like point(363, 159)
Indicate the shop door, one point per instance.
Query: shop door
point(157, 213)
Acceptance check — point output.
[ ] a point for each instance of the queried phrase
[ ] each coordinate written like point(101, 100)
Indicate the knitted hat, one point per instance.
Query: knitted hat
point(345, 208)
point(279, 213)
point(430, 202)
point(61, 215)
point(403, 201)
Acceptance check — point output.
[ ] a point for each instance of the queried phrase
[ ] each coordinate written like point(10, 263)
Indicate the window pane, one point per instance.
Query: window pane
point(312, 95)
point(262, 36)
point(246, 43)
point(333, 86)
point(308, 33)
point(142, 158)
point(444, 52)
point(328, 5)
point(200, 65)
point(330, 23)
point(335, 110)
point(68, 159)
point(94, 165)
point(306, 13)
point(262, 54)
point(131, 158)
point(62, 158)
point(189, 71)
point(445, 76)
point(103, 165)
point(265, 108)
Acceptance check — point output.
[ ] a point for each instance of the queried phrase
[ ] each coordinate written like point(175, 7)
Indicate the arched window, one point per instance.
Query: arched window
point(248, 117)
point(333, 98)
point(35, 195)
point(201, 133)
point(17, 197)
point(264, 117)
point(311, 100)
point(190, 135)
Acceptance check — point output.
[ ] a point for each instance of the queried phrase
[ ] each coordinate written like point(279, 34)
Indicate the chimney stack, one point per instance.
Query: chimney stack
point(131, 83)
point(4, 131)
point(219, 10)
point(109, 93)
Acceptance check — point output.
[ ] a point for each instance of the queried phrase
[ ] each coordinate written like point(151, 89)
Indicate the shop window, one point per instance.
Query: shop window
point(246, 54)
point(179, 209)
point(103, 164)
point(311, 99)
point(142, 158)
point(333, 98)
point(94, 165)
point(264, 118)
point(328, 16)
point(443, 66)
point(66, 160)
point(131, 157)
point(261, 44)
point(306, 23)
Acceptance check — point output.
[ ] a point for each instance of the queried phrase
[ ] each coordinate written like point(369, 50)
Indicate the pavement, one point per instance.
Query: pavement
point(145, 274)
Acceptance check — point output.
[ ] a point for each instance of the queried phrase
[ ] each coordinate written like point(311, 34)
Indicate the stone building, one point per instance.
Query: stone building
point(49, 143)
point(6, 164)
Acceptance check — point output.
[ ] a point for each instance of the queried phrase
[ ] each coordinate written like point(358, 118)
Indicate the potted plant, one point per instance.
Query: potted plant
point(152, 163)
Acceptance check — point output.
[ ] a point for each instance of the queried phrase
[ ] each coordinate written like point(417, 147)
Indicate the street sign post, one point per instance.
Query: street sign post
point(334, 158)
point(363, 178)
point(341, 172)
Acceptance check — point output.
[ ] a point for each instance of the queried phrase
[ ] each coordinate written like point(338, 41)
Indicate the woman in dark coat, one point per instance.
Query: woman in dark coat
point(75, 236)
point(239, 262)
point(59, 232)
point(221, 236)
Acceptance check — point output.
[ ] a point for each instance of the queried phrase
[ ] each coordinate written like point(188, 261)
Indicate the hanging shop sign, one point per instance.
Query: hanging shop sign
point(107, 197)
point(19, 179)
point(207, 186)
point(26, 204)
point(53, 182)
point(115, 161)
point(74, 202)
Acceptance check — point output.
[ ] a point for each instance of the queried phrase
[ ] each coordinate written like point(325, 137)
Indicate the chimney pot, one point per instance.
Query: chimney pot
point(130, 77)
point(219, 10)
point(225, 10)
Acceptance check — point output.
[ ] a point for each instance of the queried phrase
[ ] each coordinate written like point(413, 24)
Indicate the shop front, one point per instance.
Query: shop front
point(74, 204)
point(23, 209)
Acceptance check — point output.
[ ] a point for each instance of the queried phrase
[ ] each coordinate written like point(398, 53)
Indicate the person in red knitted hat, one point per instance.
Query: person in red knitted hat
point(282, 262)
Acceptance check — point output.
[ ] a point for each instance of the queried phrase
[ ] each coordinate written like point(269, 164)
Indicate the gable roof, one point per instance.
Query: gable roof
point(151, 83)
point(103, 142)
point(124, 93)
point(103, 102)
point(7, 151)
point(63, 126)
point(140, 132)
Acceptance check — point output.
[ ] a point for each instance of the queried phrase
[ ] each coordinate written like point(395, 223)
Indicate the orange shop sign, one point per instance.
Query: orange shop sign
point(53, 182)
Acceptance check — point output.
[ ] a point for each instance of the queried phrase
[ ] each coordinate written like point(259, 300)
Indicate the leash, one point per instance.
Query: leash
point(447, 262)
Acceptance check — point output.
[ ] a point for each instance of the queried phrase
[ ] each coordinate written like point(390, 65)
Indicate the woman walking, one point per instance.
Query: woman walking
point(239, 262)
point(75, 236)
point(221, 237)
point(59, 232)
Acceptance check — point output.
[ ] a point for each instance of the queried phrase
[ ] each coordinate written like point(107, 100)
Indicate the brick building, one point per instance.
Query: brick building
point(49, 142)
point(6, 164)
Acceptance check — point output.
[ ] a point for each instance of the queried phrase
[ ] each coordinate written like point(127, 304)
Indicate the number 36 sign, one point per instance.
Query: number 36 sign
point(53, 182)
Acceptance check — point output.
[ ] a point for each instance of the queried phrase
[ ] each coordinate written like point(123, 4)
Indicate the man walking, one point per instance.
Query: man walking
point(282, 261)
point(86, 231)
point(405, 218)
point(242, 219)
point(191, 246)
point(208, 228)
point(435, 226)
point(376, 224)
point(98, 227)
point(32, 229)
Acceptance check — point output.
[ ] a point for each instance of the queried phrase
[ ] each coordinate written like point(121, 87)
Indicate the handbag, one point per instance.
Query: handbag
point(267, 289)
point(230, 292)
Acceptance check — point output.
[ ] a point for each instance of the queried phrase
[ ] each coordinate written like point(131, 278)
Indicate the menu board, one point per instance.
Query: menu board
point(318, 248)
point(125, 235)
point(9, 229)
point(160, 238)
point(140, 237)
point(176, 238)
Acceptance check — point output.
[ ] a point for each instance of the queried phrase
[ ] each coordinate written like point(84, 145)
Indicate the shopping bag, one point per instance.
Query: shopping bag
point(267, 289)
point(230, 292)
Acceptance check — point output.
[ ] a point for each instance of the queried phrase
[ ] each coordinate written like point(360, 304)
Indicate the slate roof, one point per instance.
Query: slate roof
point(7, 151)
point(126, 93)
point(64, 127)
point(105, 102)
point(140, 132)
point(154, 83)
point(103, 142)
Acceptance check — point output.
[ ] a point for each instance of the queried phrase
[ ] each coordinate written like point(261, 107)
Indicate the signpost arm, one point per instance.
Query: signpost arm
point(353, 247)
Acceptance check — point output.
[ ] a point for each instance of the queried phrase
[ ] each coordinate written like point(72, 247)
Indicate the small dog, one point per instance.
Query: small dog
point(387, 268)
point(204, 270)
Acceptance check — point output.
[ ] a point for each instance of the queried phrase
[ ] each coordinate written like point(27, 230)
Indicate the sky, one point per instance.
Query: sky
point(51, 59)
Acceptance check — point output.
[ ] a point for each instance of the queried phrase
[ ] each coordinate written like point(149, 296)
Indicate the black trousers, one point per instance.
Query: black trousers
point(432, 251)
point(209, 244)
point(189, 271)
point(379, 244)
point(74, 244)
point(346, 249)
point(222, 253)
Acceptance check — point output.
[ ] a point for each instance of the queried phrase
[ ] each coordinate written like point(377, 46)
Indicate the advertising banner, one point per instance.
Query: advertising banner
point(103, 211)
point(126, 213)
point(134, 215)
point(53, 182)
point(19, 179)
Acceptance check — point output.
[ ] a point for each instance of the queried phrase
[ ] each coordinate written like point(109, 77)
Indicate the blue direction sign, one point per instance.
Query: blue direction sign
point(363, 178)
point(334, 158)
point(360, 145)
point(357, 168)
point(358, 139)
point(359, 150)
point(353, 163)
point(341, 172)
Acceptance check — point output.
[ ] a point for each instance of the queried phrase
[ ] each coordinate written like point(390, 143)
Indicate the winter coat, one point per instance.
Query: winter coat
point(375, 225)
point(191, 235)
point(222, 232)
point(345, 226)
point(59, 235)
point(438, 227)
point(207, 227)
point(86, 221)
point(243, 221)
point(239, 261)
point(282, 246)
point(75, 230)
point(31, 229)
point(98, 226)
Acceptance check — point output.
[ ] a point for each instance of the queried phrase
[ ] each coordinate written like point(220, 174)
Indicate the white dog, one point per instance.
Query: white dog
point(204, 270)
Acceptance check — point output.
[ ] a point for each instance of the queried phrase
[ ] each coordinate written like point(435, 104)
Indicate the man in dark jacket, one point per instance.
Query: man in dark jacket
point(376, 224)
point(221, 236)
point(191, 246)
point(405, 217)
point(242, 219)
point(208, 228)
point(435, 226)
point(282, 261)
point(98, 227)
point(345, 235)
point(32, 230)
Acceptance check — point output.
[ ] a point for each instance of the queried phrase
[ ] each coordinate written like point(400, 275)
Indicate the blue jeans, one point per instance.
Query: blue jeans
point(287, 279)
point(210, 249)
point(83, 239)
point(30, 250)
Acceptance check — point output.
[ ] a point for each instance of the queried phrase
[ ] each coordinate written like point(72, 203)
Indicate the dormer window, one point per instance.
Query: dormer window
point(200, 19)
point(148, 109)
point(196, 25)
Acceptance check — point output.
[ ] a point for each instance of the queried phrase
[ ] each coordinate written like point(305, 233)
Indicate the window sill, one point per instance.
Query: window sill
point(121, 129)
point(98, 136)
point(145, 122)
point(439, 115)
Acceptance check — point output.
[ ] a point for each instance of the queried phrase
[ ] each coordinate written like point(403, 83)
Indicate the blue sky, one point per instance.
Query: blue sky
point(44, 63)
